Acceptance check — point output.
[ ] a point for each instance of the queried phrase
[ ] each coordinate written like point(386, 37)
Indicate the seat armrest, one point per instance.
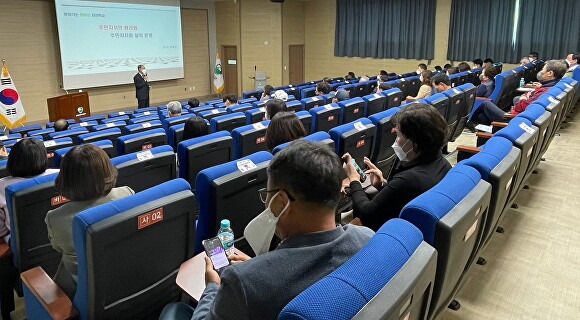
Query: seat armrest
point(509, 115)
point(49, 294)
point(465, 152)
point(482, 98)
point(497, 124)
point(483, 135)
point(4, 249)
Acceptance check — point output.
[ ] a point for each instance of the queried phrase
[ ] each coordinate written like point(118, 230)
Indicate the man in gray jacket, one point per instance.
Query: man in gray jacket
point(301, 197)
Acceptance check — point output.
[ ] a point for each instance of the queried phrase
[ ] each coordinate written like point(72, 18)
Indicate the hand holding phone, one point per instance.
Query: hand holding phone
point(216, 252)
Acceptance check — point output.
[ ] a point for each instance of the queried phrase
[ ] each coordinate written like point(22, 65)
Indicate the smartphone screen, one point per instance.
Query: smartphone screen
point(216, 252)
point(361, 173)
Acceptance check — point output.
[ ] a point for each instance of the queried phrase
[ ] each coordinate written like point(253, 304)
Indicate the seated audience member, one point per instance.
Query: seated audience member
point(364, 78)
point(487, 78)
point(301, 212)
point(195, 127)
point(284, 127)
point(341, 95)
point(274, 106)
point(451, 70)
point(322, 88)
point(438, 68)
point(421, 67)
point(487, 60)
point(425, 89)
point(477, 63)
point(421, 166)
point(572, 62)
point(86, 178)
point(534, 56)
point(383, 73)
point(267, 92)
point(380, 80)
point(193, 103)
point(173, 109)
point(230, 100)
point(524, 61)
point(281, 95)
point(60, 125)
point(3, 151)
point(352, 75)
point(382, 87)
point(463, 66)
point(441, 82)
point(552, 72)
point(327, 80)
point(27, 159)
point(447, 66)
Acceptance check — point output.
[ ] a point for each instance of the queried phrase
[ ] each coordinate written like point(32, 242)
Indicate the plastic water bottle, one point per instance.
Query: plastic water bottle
point(522, 82)
point(226, 235)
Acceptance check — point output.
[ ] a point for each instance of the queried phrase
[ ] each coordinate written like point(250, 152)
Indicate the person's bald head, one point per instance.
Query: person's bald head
point(60, 125)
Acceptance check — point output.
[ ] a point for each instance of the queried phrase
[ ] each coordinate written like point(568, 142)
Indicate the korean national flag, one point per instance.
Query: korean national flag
point(11, 111)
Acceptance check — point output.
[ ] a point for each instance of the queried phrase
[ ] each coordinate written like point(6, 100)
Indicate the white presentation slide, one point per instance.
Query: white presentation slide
point(103, 42)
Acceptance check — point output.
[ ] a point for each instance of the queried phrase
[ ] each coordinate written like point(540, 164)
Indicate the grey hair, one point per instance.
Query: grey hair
point(174, 107)
point(559, 68)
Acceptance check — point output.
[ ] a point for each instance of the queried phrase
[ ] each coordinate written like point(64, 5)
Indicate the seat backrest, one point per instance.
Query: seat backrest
point(143, 126)
point(440, 102)
point(86, 124)
point(497, 163)
point(352, 109)
point(95, 117)
point(3, 169)
point(260, 103)
point(115, 119)
point(312, 102)
point(145, 169)
point(42, 132)
point(542, 119)
point(394, 97)
point(114, 239)
point(320, 136)
point(255, 115)
point(250, 139)
point(168, 122)
point(466, 106)
point(306, 119)
point(50, 124)
point(203, 152)
point(141, 141)
point(52, 145)
point(254, 93)
point(383, 155)
point(325, 118)
point(106, 145)
point(109, 134)
point(143, 119)
point(71, 133)
point(109, 125)
point(209, 114)
point(230, 191)
point(294, 106)
point(27, 202)
point(120, 113)
point(375, 103)
point(25, 129)
point(396, 253)
point(356, 138)
point(307, 92)
point(227, 122)
point(248, 100)
point(241, 107)
point(451, 216)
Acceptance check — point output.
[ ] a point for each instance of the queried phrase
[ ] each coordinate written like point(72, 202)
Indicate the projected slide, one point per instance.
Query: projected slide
point(102, 42)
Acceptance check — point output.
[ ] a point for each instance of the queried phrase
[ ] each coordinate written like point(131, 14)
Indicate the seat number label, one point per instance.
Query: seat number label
point(145, 155)
point(359, 126)
point(526, 128)
point(258, 126)
point(146, 125)
point(149, 218)
point(470, 232)
point(110, 124)
point(83, 124)
point(56, 200)
point(146, 113)
point(246, 165)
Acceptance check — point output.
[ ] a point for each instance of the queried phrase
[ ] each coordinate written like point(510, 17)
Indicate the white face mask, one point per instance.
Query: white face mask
point(144, 71)
point(261, 229)
point(401, 154)
point(418, 71)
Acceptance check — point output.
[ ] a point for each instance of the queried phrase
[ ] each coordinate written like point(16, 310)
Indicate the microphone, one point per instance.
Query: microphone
point(64, 89)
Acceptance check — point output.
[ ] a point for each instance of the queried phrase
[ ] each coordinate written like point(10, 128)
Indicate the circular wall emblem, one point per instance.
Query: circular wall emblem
point(80, 109)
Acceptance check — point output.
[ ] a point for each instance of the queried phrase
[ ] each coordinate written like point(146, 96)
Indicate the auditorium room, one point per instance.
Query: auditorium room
point(289, 159)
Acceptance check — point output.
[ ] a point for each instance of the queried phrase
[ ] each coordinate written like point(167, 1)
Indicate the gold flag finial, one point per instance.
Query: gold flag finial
point(4, 69)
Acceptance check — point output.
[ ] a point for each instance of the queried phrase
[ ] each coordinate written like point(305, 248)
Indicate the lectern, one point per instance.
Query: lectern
point(69, 106)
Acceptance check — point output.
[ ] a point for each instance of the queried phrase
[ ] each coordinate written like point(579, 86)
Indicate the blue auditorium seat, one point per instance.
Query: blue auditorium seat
point(168, 122)
point(403, 271)
point(110, 125)
point(374, 103)
point(356, 138)
point(307, 92)
point(143, 126)
point(207, 115)
point(313, 102)
point(325, 118)
point(71, 133)
point(257, 94)
point(125, 227)
point(383, 155)
point(42, 132)
point(463, 114)
point(456, 106)
point(108, 134)
point(352, 109)
point(203, 152)
point(199, 109)
point(227, 122)
point(240, 107)
point(248, 100)
point(24, 129)
point(120, 113)
point(306, 119)
point(145, 169)
point(124, 118)
point(394, 97)
point(294, 106)
point(106, 145)
point(12, 136)
point(50, 124)
point(319, 136)
point(225, 192)
point(543, 120)
point(260, 103)
point(86, 124)
point(52, 145)
point(451, 216)
point(255, 115)
point(95, 117)
point(250, 139)
point(140, 141)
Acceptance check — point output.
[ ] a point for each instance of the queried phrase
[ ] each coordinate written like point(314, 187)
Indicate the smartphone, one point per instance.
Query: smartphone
point(216, 252)
point(361, 173)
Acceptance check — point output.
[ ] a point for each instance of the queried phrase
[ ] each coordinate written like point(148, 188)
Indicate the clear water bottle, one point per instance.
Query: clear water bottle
point(226, 235)
point(522, 82)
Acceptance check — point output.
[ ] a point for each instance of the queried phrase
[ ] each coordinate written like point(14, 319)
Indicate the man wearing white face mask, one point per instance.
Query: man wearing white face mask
point(301, 197)
point(142, 87)
point(421, 132)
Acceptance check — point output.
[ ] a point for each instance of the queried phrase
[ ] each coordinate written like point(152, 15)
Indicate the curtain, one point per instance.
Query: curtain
point(385, 29)
point(482, 29)
point(551, 28)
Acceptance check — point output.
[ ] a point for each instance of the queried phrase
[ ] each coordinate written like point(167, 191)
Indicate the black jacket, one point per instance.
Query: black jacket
point(141, 87)
point(409, 180)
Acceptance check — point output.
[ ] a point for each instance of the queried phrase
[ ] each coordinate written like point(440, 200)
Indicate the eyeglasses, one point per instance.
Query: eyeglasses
point(264, 194)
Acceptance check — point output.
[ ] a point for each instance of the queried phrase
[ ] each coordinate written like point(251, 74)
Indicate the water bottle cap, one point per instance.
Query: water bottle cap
point(225, 223)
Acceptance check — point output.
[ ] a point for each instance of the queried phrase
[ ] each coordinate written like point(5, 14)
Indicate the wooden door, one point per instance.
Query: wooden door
point(296, 64)
point(230, 69)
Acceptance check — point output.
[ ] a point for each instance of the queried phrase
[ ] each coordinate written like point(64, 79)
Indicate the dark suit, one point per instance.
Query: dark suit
point(141, 90)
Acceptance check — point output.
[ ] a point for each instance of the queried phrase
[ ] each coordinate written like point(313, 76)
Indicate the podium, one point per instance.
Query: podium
point(69, 106)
